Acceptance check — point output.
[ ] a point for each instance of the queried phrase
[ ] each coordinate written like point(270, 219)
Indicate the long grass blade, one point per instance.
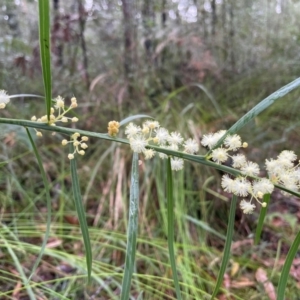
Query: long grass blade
point(134, 117)
point(210, 96)
point(44, 34)
point(17, 263)
point(200, 86)
point(226, 254)
point(48, 201)
point(132, 228)
point(261, 219)
point(287, 267)
point(170, 213)
point(205, 227)
point(81, 215)
point(256, 110)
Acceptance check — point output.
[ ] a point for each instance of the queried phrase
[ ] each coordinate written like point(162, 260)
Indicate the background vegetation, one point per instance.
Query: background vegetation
point(197, 67)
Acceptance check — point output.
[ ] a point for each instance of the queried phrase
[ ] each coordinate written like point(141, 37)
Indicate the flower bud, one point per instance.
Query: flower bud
point(70, 156)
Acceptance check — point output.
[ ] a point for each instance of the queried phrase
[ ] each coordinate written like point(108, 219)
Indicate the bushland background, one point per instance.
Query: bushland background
point(196, 67)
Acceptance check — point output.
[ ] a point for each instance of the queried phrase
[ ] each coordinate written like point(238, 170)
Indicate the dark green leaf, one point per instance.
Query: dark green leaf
point(287, 267)
point(44, 33)
point(81, 215)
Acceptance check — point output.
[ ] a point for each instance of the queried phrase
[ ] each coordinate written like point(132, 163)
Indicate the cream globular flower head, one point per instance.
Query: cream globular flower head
point(250, 168)
point(238, 161)
point(284, 170)
point(233, 142)
point(219, 155)
point(161, 136)
point(247, 207)
point(4, 99)
point(177, 163)
point(211, 139)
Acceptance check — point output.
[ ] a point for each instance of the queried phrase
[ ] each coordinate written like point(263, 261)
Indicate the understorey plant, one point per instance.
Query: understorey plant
point(149, 140)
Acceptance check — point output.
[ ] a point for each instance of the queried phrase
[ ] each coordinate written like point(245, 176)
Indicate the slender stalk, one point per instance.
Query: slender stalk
point(170, 212)
point(226, 254)
point(48, 201)
point(287, 267)
point(132, 228)
point(262, 215)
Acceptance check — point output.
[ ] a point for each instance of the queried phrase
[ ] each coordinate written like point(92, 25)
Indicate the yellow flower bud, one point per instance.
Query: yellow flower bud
point(75, 135)
point(113, 128)
point(64, 142)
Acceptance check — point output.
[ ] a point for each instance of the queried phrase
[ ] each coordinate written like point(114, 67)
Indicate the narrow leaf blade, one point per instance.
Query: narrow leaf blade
point(261, 219)
point(132, 228)
point(226, 254)
point(287, 267)
point(48, 200)
point(81, 215)
point(44, 34)
point(170, 212)
point(256, 110)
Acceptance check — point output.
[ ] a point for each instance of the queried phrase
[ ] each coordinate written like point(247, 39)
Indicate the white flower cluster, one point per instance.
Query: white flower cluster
point(151, 133)
point(4, 99)
point(240, 186)
point(60, 110)
point(283, 170)
point(243, 187)
point(231, 143)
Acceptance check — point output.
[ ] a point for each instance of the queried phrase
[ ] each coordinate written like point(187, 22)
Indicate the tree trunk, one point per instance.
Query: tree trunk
point(148, 24)
point(231, 36)
point(129, 38)
point(82, 21)
point(214, 17)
